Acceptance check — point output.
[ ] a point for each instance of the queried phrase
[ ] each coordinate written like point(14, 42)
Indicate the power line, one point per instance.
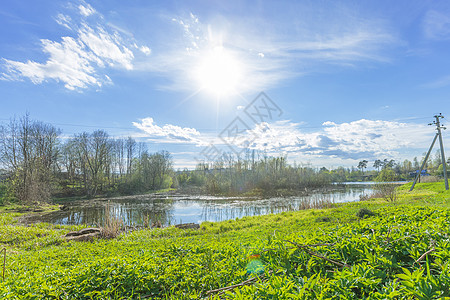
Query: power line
point(201, 129)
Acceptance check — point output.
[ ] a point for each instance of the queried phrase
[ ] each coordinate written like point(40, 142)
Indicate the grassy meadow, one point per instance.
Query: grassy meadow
point(372, 249)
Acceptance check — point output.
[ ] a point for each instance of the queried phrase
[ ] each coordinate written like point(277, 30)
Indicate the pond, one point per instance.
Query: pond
point(170, 209)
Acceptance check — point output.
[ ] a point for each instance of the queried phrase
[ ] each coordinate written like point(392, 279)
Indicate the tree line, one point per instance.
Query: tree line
point(402, 170)
point(38, 163)
point(253, 173)
point(41, 164)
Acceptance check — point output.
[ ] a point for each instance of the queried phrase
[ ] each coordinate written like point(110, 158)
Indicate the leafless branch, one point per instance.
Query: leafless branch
point(305, 247)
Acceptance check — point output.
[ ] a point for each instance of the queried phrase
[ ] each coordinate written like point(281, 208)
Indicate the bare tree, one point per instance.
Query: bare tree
point(93, 154)
point(131, 146)
point(29, 151)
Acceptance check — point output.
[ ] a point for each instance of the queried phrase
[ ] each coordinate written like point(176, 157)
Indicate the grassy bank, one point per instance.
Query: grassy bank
point(401, 251)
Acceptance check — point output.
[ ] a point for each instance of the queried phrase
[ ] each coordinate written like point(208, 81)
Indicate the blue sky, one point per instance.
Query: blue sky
point(350, 80)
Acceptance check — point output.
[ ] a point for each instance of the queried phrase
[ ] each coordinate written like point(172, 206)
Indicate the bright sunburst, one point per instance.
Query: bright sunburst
point(219, 72)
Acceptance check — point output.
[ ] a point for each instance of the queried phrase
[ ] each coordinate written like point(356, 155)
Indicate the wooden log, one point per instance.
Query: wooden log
point(83, 232)
point(188, 226)
point(84, 238)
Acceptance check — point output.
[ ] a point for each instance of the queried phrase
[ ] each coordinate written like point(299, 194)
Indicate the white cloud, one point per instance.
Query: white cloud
point(375, 137)
point(68, 63)
point(77, 61)
point(170, 133)
point(106, 47)
point(86, 10)
point(185, 163)
point(146, 50)
point(361, 139)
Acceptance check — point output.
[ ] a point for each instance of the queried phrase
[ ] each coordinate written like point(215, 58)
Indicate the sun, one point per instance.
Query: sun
point(219, 72)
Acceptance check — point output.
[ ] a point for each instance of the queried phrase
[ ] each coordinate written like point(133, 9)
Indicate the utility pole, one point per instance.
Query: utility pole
point(441, 144)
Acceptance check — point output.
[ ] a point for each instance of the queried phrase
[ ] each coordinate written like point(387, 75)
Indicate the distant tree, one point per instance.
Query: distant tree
point(156, 170)
point(323, 170)
point(437, 159)
point(387, 164)
point(378, 164)
point(416, 163)
point(362, 165)
point(130, 145)
point(120, 156)
point(406, 166)
point(428, 164)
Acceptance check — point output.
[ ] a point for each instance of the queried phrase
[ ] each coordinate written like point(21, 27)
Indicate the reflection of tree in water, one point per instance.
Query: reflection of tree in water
point(155, 210)
point(219, 211)
point(151, 209)
point(130, 211)
point(213, 210)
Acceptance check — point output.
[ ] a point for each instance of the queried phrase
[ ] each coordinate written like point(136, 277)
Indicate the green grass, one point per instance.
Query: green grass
point(380, 250)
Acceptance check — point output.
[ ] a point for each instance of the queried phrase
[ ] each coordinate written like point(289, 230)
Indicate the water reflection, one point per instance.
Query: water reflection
point(175, 209)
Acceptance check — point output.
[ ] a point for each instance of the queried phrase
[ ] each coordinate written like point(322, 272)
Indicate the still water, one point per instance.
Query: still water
point(175, 209)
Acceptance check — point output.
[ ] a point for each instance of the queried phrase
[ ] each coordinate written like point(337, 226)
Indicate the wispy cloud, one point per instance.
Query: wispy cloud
point(437, 25)
point(267, 53)
point(86, 10)
point(268, 57)
point(16, 19)
point(64, 20)
point(78, 61)
point(441, 82)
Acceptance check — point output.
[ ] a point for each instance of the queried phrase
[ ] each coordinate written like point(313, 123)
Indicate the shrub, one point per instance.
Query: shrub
point(385, 188)
point(364, 212)
point(323, 219)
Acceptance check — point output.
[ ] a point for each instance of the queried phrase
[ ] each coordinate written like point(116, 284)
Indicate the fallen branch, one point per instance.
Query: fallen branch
point(187, 226)
point(312, 245)
point(424, 255)
point(231, 287)
point(274, 249)
point(319, 245)
point(264, 277)
point(4, 263)
point(305, 247)
point(404, 237)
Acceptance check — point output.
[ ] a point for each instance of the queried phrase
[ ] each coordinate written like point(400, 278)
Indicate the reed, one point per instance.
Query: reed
point(112, 225)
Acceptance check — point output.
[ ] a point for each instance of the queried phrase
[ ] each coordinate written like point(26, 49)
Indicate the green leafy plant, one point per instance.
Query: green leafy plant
point(401, 252)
